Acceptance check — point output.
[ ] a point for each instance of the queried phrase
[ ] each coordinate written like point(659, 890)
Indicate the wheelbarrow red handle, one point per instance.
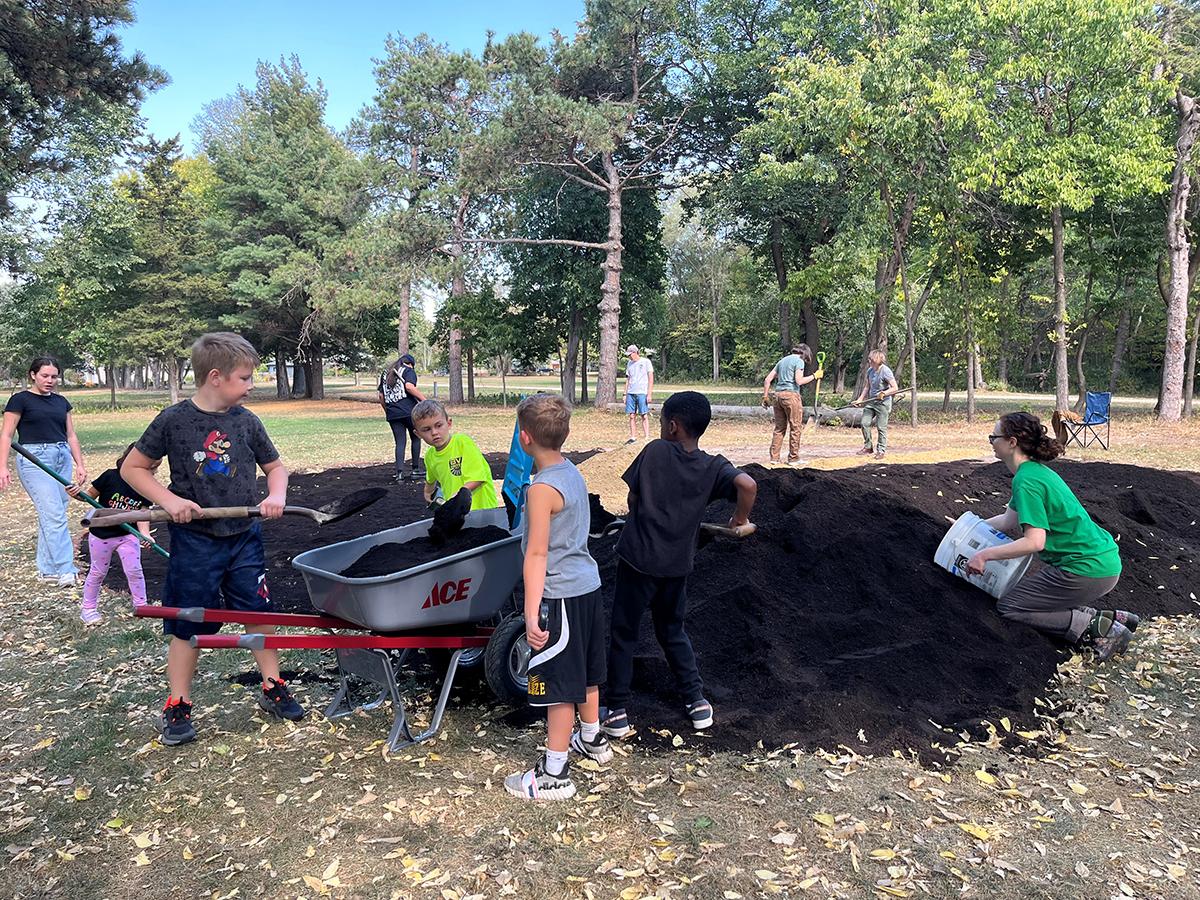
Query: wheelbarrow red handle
point(335, 642)
point(240, 617)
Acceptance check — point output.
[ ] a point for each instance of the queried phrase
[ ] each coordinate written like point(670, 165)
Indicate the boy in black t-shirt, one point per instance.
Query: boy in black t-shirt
point(113, 493)
point(670, 484)
point(212, 444)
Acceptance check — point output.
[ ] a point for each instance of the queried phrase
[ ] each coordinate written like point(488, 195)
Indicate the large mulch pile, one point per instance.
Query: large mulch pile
point(832, 625)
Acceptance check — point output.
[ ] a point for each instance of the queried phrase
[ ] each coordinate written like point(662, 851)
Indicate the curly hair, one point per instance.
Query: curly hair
point(1031, 436)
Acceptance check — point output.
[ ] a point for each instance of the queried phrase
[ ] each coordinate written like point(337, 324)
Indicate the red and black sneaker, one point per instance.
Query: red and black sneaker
point(278, 701)
point(175, 723)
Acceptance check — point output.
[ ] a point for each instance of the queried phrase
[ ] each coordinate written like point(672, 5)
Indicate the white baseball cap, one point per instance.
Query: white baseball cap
point(632, 348)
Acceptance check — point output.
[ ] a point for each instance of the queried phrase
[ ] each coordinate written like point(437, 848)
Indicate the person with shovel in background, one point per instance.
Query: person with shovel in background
point(41, 418)
point(876, 400)
point(1082, 561)
point(788, 377)
point(212, 444)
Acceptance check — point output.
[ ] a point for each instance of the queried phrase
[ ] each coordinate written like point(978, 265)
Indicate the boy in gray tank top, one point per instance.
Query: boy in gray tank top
point(564, 615)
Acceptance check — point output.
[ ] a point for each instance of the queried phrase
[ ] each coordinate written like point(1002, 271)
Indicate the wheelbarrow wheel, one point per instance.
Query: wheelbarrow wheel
point(506, 659)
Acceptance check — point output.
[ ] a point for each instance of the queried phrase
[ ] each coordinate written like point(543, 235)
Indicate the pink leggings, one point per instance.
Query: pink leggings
point(101, 550)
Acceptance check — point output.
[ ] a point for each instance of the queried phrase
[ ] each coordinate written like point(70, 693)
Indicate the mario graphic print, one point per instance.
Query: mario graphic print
point(214, 458)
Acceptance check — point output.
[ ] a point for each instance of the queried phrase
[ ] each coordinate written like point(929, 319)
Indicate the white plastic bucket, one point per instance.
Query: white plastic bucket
point(968, 536)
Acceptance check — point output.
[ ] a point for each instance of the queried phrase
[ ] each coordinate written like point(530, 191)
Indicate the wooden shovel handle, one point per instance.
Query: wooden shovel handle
point(104, 520)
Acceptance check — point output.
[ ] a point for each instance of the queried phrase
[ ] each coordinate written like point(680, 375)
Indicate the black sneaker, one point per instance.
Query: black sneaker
point(597, 749)
point(278, 701)
point(175, 723)
point(538, 784)
point(614, 723)
point(701, 714)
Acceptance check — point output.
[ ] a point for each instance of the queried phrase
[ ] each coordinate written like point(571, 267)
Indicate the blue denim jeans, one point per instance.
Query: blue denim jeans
point(55, 550)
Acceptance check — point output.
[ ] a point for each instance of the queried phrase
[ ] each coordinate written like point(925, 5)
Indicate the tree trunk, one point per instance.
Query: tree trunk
point(568, 365)
point(781, 278)
point(316, 373)
point(949, 379)
point(1118, 356)
point(458, 288)
point(402, 329)
point(980, 384)
point(716, 335)
point(887, 269)
point(471, 372)
point(172, 378)
point(812, 325)
point(1190, 373)
point(112, 385)
point(971, 351)
point(1178, 256)
point(1002, 366)
point(583, 371)
point(610, 290)
point(299, 377)
point(1061, 378)
point(283, 390)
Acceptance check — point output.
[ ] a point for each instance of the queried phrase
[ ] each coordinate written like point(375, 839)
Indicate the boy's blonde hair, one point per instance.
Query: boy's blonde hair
point(427, 409)
point(546, 418)
point(877, 355)
point(223, 351)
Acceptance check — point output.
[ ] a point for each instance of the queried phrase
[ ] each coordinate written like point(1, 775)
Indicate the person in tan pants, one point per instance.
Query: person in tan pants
point(788, 377)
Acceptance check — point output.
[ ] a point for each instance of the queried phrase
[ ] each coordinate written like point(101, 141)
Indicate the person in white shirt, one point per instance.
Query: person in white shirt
point(639, 391)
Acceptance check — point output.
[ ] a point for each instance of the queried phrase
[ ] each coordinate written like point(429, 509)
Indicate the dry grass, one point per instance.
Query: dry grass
point(1097, 800)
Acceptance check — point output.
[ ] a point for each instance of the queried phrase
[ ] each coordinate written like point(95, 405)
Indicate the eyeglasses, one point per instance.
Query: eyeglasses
point(992, 438)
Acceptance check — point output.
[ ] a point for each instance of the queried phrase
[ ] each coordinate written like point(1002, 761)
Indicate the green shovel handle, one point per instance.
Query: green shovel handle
point(157, 548)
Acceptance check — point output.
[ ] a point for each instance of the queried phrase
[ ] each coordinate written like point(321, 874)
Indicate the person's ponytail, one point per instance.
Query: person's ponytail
point(805, 352)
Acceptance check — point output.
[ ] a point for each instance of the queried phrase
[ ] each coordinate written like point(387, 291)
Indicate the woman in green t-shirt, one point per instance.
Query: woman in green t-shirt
point(1082, 563)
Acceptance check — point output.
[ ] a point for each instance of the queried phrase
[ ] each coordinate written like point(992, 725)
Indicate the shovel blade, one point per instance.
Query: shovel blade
point(348, 505)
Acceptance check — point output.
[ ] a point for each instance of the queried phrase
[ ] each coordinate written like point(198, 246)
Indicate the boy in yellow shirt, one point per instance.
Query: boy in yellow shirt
point(453, 462)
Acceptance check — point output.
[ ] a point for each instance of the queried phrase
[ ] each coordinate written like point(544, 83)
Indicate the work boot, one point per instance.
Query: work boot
point(538, 784)
point(175, 723)
point(597, 749)
point(1107, 636)
point(278, 701)
point(1128, 619)
point(865, 451)
point(880, 454)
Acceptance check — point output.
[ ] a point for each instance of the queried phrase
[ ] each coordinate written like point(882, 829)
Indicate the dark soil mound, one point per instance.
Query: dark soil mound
point(833, 618)
point(387, 559)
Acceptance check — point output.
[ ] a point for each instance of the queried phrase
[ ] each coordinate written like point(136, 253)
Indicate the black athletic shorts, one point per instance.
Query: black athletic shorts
point(575, 657)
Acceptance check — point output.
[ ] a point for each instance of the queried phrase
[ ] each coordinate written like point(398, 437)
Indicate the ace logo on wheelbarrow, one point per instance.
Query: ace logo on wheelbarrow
point(447, 592)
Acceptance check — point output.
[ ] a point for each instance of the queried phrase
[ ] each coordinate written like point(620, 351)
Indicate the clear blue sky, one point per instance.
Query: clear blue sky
point(210, 48)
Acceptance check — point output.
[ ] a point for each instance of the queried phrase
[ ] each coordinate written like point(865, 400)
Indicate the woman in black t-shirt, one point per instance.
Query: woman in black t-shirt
point(398, 394)
point(41, 418)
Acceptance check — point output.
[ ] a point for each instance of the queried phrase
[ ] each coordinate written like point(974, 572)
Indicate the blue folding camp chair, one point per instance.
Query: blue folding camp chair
point(1095, 419)
point(517, 475)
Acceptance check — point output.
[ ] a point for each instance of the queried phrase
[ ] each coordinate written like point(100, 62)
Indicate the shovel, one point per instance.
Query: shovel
point(738, 531)
point(811, 424)
point(157, 548)
point(330, 512)
point(865, 402)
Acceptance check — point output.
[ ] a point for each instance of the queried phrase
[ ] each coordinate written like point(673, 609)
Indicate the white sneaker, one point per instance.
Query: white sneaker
point(67, 580)
point(538, 784)
point(49, 579)
point(597, 749)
